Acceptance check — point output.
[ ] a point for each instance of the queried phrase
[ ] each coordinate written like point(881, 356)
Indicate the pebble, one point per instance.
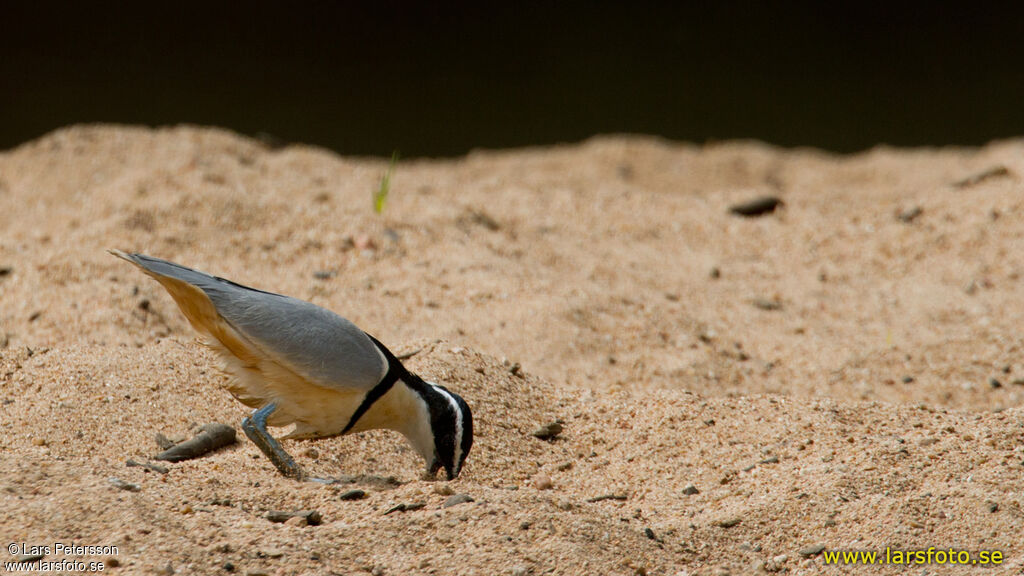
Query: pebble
point(5, 270)
point(542, 482)
point(908, 379)
point(297, 521)
point(910, 214)
point(690, 490)
point(728, 522)
point(443, 490)
point(767, 304)
point(270, 553)
point(993, 507)
point(147, 465)
point(520, 570)
point(604, 497)
point(548, 431)
point(364, 242)
point(324, 274)
point(756, 207)
point(770, 460)
point(312, 453)
point(993, 172)
point(995, 383)
point(456, 499)
point(405, 507)
point(349, 495)
point(312, 517)
point(167, 570)
point(121, 484)
point(813, 550)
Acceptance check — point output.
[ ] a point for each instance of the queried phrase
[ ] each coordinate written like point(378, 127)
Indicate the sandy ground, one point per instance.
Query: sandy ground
point(828, 377)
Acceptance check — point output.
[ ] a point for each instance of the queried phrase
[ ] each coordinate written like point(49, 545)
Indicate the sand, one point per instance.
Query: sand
point(842, 374)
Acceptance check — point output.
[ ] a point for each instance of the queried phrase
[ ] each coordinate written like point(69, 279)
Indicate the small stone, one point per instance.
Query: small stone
point(543, 482)
point(995, 383)
point(650, 534)
point(908, 379)
point(167, 570)
point(349, 495)
point(122, 485)
point(311, 517)
point(769, 305)
point(614, 496)
point(312, 453)
point(147, 466)
point(770, 460)
point(993, 172)
point(757, 206)
point(405, 507)
point(910, 214)
point(520, 570)
point(37, 441)
point(363, 242)
point(548, 431)
point(728, 522)
point(813, 550)
point(297, 521)
point(324, 274)
point(111, 562)
point(715, 273)
point(443, 490)
point(928, 441)
point(228, 567)
point(690, 490)
point(993, 507)
point(377, 571)
point(257, 572)
point(270, 553)
point(5, 271)
point(456, 499)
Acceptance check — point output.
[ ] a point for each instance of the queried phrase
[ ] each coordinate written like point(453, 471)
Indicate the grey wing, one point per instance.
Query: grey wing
point(315, 343)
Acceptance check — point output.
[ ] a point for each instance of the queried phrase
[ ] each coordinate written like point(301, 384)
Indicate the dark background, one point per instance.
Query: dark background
point(440, 81)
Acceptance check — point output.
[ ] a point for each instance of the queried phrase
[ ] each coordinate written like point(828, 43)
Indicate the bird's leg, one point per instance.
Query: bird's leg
point(256, 429)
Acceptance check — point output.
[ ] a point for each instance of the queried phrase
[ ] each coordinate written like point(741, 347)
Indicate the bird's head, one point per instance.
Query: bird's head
point(451, 424)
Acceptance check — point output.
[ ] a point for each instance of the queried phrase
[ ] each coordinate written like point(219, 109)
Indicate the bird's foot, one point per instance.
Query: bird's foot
point(256, 429)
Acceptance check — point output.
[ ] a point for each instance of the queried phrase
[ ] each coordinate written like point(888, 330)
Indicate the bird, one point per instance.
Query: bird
point(294, 362)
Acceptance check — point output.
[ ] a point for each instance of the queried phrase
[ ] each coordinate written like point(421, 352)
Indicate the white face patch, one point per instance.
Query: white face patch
point(457, 456)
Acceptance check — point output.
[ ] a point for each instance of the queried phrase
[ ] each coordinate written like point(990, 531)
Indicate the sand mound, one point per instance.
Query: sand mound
point(842, 374)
